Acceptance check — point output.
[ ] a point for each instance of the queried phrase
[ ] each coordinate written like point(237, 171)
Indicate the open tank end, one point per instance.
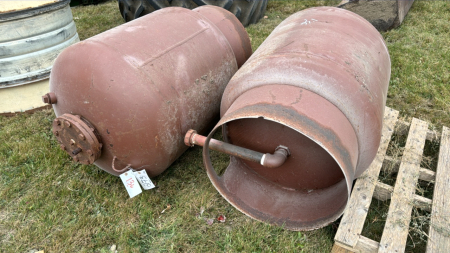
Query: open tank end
point(310, 189)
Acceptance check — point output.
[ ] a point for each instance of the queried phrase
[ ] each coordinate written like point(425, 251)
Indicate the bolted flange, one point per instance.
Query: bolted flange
point(78, 138)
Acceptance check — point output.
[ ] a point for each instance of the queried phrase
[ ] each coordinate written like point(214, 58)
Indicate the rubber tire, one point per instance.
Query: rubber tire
point(247, 11)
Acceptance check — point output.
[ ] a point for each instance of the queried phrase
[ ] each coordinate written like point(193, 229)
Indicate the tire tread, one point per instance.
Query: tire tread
point(247, 11)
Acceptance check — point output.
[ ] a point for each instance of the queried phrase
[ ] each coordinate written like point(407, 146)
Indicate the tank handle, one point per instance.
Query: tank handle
point(122, 170)
point(268, 160)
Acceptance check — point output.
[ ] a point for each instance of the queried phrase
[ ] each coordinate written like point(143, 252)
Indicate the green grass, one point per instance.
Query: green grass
point(94, 19)
point(49, 203)
point(420, 52)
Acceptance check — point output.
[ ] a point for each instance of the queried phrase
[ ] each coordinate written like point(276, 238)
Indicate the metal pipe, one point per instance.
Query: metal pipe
point(276, 159)
point(268, 160)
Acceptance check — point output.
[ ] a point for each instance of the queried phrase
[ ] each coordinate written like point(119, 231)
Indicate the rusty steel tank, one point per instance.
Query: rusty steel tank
point(125, 97)
point(314, 92)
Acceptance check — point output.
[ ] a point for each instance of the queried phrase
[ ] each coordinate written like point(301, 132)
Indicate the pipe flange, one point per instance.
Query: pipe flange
point(188, 137)
point(49, 98)
point(78, 138)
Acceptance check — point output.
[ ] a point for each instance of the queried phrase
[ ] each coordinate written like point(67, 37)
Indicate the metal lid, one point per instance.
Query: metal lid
point(78, 138)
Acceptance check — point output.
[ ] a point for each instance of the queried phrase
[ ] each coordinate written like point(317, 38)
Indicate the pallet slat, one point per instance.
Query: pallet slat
point(364, 244)
point(424, 174)
point(439, 235)
point(403, 126)
point(384, 192)
point(395, 232)
point(353, 220)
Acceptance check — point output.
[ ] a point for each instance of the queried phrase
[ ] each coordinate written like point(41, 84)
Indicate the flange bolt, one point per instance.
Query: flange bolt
point(76, 151)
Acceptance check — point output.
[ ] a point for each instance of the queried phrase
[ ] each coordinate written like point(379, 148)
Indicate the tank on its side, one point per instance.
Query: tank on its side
point(125, 97)
point(314, 92)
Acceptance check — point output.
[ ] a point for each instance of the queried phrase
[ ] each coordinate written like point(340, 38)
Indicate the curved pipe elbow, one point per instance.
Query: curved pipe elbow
point(276, 159)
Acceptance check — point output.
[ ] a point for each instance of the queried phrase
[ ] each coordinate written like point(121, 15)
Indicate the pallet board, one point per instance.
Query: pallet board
point(396, 230)
point(403, 197)
point(440, 214)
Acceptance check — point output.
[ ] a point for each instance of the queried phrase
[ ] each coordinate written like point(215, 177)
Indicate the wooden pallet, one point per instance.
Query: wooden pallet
point(348, 237)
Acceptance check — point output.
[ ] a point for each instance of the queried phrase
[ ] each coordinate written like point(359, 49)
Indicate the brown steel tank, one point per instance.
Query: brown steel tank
point(315, 92)
point(125, 97)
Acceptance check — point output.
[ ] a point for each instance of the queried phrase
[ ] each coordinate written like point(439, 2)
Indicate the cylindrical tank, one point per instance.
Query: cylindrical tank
point(317, 85)
point(127, 96)
point(32, 34)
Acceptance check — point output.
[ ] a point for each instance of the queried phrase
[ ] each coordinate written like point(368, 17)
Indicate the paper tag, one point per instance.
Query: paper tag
point(131, 183)
point(144, 180)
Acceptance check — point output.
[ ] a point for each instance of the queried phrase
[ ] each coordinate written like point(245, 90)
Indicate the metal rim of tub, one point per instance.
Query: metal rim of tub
point(29, 58)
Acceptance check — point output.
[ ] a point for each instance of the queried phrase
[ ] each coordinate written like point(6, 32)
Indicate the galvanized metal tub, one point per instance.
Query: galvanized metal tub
point(32, 34)
point(137, 88)
point(319, 89)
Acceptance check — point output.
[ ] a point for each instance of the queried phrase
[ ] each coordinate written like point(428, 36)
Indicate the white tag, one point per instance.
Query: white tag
point(144, 180)
point(131, 184)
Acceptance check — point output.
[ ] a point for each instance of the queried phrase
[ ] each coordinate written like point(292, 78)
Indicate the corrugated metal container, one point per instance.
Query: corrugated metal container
point(318, 89)
point(32, 34)
point(125, 98)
